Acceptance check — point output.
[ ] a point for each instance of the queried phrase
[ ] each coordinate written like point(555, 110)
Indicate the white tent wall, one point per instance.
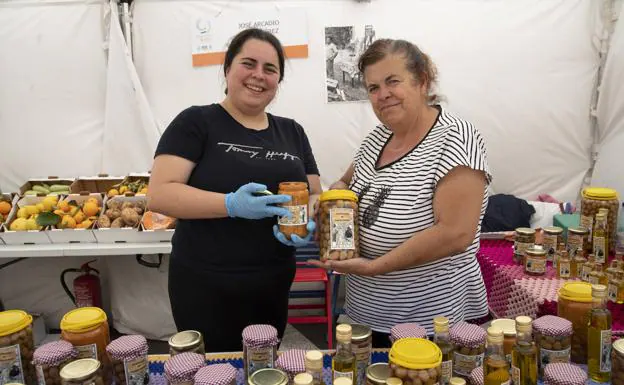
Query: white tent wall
point(607, 171)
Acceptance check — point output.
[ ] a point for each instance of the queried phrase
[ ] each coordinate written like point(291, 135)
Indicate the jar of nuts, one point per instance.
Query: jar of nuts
point(87, 329)
point(338, 216)
point(593, 199)
point(81, 372)
point(617, 366)
point(525, 239)
point(186, 341)
point(469, 341)
point(16, 347)
point(181, 368)
point(553, 337)
point(298, 207)
point(573, 303)
point(216, 374)
point(50, 358)
point(564, 374)
point(128, 355)
point(407, 330)
point(259, 348)
point(378, 373)
point(416, 361)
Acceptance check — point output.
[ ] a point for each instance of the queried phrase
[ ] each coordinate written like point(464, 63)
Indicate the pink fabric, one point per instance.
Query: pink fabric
point(511, 292)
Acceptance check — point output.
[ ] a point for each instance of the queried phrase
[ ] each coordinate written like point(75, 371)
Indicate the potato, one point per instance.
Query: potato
point(139, 210)
point(104, 222)
point(114, 205)
point(117, 223)
point(130, 217)
point(128, 205)
point(113, 214)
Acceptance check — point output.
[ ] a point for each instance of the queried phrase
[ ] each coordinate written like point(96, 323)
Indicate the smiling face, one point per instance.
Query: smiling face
point(253, 76)
point(395, 95)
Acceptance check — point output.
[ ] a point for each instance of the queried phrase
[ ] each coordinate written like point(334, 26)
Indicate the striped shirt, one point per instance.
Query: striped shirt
point(396, 201)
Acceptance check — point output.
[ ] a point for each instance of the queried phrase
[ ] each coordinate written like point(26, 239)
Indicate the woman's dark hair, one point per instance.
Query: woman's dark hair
point(416, 62)
point(253, 33)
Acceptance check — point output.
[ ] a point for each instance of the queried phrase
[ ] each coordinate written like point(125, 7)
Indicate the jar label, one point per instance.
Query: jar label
point(136, 371)
point(40, 375)
point(521, 247)
point(600, 247)
point(552, 356)
point(588, 223)
point(535, 265)
point(362, 352)
point(550, 245)
point(464, 364)
point(260, 358)
point(612, 292)
point(338, 374)
point(605, 351)
point(342, 229)
point(564, 269)
point(87, 351)
point(446, 372)
point(579, 271)
point(575, 242)
point(594, 280)
point(11, 369)
point(515, 375)
point(299, 216)
point(360, 372)
point(585, 273)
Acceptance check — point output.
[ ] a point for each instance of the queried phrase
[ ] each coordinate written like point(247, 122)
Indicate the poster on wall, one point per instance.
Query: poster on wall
point(211, 35)
point(343, 47)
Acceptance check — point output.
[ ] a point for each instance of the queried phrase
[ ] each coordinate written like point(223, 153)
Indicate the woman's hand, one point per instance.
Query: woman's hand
point(244, 204)
point(357, 266)
point(295, 240)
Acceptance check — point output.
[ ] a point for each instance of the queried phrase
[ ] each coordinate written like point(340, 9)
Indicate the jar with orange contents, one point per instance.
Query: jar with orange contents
point(509, 333)
point(298, 207)
point(573, 303)
point(87, 329)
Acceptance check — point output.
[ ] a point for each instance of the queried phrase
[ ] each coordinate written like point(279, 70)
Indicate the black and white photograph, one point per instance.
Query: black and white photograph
point(343, 47)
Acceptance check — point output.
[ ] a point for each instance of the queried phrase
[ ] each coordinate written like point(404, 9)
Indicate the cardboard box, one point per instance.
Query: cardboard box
point(49, 180)
point(27, 237)
point(76, 235)
point(155, 235)
point(95, 184)
point(125, 234)
point(12, 198)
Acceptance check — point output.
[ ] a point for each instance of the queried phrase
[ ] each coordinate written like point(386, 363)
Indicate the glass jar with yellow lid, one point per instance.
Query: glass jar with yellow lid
point(617, 362)
point(508, 326)
point(338, 217)
point(416, 358)
point(17, 347)
point(83, 371)
point(87, 329)
point(593, 199)
point(573, 303)
point(268, 376)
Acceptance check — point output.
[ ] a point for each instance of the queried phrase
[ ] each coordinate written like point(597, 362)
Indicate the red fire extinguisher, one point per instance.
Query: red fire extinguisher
point(87, 290)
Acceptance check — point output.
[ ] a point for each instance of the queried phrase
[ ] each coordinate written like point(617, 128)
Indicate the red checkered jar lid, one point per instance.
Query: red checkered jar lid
point(54, 353)
point(217, 374)
point(407, 330)
point(468, 335)
point(564, 374)
point(292, 362)
point(553, 326)
point(128, 348)
point(183, 367)
point(260, 336)
point(476, 376)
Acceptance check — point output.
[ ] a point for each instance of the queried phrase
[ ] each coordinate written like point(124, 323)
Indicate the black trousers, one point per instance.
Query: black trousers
point(221, 304)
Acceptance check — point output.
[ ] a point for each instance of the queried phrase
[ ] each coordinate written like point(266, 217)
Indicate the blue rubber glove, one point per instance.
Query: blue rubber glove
point(243, 204)
point(295, 240)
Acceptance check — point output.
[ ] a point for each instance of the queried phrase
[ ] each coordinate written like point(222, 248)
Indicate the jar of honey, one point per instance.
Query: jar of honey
point(298, 207)
point(509, 331)
point(573, 303)
point(535, 261)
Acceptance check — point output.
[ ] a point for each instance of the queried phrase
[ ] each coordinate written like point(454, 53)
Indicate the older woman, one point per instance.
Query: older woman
point(422, 178)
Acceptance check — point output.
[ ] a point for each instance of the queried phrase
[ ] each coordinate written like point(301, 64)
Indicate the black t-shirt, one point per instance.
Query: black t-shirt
point(228, 155)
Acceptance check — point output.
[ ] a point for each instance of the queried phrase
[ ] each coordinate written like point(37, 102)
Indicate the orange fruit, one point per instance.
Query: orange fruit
point(79, 217)
point(112, 192)
point(90, 209)
point(5, 207)
point(68, 222)
point(92, 199)
point(63, 205)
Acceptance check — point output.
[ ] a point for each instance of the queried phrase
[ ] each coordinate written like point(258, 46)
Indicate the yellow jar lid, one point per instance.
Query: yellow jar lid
point(338, 194)
point(599, 193)
point(576, 291)
point(507, 325)
point(12, 321)
point(415, 353)
point(83, 319)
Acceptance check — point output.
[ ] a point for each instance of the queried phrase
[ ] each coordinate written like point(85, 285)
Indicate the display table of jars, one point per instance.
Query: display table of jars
point(512, 292)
